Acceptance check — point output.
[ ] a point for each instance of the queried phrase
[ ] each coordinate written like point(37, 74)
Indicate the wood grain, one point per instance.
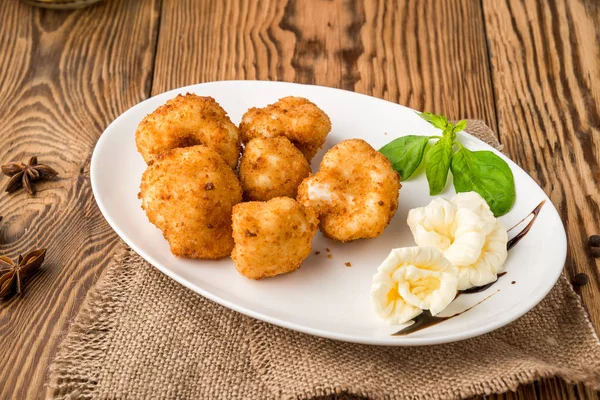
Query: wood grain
point(398, 50)
point(546, 69)
point(530, 70)
point(402, 51)
point(218, 40)
point(428, 55)
point(64, 76)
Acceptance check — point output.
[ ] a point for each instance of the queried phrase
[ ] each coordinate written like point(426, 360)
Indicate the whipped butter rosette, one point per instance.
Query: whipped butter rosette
point(467, 233)
point(410, 280)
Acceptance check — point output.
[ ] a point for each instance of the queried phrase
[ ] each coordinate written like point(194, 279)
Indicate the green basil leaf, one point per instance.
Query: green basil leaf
point(405, 153)
point(487, 174)
point(460, 126)
point(448, 132)
point(437, 165)
point(439, 121)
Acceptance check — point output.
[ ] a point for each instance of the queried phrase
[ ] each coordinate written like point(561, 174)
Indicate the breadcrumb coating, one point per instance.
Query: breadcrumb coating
point(188, 120)
point(355, 191)
point(189, 193)
point(296, 118)
point(271, 237)
point(271, 167)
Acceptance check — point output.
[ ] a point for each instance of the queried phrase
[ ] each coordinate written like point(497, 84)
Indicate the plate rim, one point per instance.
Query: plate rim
point(380, 341)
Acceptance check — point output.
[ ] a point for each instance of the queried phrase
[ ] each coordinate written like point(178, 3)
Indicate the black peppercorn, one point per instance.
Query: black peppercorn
point(580, 279)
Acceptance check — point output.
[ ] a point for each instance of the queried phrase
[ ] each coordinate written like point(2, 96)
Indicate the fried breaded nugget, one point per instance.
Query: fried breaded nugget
point(188, 193)
point(188, 121)
point(301, 121)
point(271, 167)
point(272, 237)
point(355, 191)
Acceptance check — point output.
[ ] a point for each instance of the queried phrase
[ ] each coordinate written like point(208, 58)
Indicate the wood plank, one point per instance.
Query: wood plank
point(557, 389)
point(545, 64)
point(402, 50)
point(398, 50)
point(429, 55)
point(202, 41)
point(525, 392)
point(218, 40)
point(404, 54)
point(546, 389)
point(64, 77)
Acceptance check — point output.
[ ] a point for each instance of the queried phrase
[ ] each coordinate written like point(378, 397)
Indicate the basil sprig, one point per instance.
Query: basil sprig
point(437, 164)
point(406, 153)
point(487, 174)
point(478, 171)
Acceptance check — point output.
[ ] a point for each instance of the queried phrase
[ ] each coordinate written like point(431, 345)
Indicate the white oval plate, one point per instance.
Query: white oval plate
point(325, 297)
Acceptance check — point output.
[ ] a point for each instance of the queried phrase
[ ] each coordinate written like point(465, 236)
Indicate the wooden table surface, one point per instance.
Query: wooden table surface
point(530, 69)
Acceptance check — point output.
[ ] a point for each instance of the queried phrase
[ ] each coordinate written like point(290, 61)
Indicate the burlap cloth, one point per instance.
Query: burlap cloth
point(141, 335)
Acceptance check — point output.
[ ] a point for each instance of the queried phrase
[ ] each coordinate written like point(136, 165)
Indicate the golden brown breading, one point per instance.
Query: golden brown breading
point(271, 237)
point(188, 193)
point(301, 121)
point(188, 121)
point(355, 191)
point(271, 167)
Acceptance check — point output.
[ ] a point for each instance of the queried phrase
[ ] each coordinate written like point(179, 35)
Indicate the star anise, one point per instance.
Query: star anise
point(12, 274)
point(23, 175)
